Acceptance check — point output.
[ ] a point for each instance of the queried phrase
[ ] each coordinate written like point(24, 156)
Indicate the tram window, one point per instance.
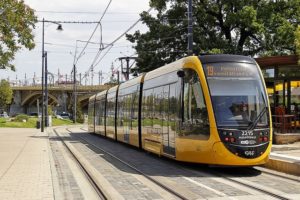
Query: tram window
point(147, 108)
point(157, 110)
point(134, 107)
point(110, 112)
point(102, 105)
point(195, 120)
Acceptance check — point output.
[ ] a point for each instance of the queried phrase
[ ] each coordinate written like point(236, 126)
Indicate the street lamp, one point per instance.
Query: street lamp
point(45, 75)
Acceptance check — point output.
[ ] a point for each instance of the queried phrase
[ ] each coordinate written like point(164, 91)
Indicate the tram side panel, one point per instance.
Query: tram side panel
point(91, 113)
point(159, 113)
point(111, 106)
point(127, 115)
point(96, 115)
point(100, 113)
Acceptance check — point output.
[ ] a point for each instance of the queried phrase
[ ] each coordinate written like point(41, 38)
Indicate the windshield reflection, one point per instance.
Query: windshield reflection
point(238, 100)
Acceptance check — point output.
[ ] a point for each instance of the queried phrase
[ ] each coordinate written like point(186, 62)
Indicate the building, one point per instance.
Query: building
point(282, 77)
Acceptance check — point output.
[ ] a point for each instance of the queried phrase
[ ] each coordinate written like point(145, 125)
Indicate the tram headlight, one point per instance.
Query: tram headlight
point(232, 140)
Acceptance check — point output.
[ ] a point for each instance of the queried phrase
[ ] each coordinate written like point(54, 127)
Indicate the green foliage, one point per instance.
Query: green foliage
point(79, 114)
point(2, 120)
point(50, 111)
point(297, 42)
point(61, 122)
point(31, 123)
point(6, 93)
point(21, 117)
point(251, 27)
point(17, 21)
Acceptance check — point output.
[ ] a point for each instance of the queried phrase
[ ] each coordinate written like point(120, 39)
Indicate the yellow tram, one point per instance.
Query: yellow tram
point(210, 109)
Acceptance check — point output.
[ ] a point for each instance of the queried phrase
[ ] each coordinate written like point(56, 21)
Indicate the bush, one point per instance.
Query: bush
point(2, 120)
point(21, 118)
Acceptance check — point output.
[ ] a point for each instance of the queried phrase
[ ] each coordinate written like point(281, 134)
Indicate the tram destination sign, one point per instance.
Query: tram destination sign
point(228, 71)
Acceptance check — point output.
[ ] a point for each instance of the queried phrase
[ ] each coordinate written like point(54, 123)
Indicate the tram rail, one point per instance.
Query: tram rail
point(263, 190)
point(168, 189)
point(84, 171)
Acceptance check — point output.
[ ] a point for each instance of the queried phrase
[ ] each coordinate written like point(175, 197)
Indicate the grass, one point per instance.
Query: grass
point(31, 123)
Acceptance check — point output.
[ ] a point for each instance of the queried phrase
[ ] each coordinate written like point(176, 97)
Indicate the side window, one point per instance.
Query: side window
point(195, 120)
point(147, 108)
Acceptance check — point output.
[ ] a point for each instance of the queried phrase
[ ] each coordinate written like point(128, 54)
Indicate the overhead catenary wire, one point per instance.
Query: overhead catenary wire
point(117, 39)
point(99, 22)
point(83, 12)
point(69, 22)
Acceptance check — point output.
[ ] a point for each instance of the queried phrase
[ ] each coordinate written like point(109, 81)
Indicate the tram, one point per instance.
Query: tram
point(211, 109)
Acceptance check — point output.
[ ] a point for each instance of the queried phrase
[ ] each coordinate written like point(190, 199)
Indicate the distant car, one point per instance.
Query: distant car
point(34, 114)
point(4, 114)
point(63, 115)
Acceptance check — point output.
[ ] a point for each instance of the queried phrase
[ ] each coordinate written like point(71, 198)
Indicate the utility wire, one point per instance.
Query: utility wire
point(114, 41)
point(80, 54)
point(69, 22)
point(83, 12)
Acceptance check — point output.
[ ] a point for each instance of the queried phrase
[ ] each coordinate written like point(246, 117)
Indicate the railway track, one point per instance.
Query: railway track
point(209, 173)
point(170, 190)
point(84, 171)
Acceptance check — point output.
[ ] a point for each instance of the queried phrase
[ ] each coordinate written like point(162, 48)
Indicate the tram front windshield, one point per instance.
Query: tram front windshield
point(237, 94)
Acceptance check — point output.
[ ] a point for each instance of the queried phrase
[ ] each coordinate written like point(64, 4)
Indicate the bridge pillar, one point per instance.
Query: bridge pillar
point(16, 106)
point(62, 102)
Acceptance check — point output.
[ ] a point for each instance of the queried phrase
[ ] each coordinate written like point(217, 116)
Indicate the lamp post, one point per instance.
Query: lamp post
point(190, 28)
point(44, 76)
point(75, 95)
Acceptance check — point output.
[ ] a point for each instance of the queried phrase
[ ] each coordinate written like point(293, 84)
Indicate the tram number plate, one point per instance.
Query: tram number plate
point(249, 153)
point(247, 133)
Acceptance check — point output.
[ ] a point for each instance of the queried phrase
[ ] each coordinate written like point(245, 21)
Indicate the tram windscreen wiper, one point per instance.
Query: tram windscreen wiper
point(254, 122)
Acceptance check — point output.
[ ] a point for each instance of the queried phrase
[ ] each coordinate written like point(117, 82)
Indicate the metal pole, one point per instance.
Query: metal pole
point(75, 99)
point(190, 28)
point(92, 74)
point(118, 75)
point(127, 68)
point(46, 91)
point(38, 107)
point(43, 64)
point(100, 77)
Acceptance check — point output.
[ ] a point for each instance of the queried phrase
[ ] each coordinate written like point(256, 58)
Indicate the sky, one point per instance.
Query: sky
point(60, 45)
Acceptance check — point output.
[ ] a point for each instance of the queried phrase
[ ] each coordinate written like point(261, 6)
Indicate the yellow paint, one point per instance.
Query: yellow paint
point(212, 151)
point(193, 149)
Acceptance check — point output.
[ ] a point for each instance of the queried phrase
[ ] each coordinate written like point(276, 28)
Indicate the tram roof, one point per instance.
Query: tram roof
point(225, 58)
point(101, 94)
point(174, 66)
point(92, 97)
point(113, 89)
point(132, 82)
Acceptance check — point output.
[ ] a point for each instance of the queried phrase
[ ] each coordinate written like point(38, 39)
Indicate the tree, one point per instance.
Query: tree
point(6, 94)
point(17, 21)
point(252, 27)
point(297, 42)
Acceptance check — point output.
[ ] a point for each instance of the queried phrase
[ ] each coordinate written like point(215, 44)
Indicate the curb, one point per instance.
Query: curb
point(284, 165)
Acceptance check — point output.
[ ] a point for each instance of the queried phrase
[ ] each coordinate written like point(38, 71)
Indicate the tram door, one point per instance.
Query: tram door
point(167, 121)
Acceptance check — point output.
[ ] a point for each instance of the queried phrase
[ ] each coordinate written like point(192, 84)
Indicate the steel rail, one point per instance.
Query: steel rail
point(85, 172)
point(212, 172)
point(170, 190)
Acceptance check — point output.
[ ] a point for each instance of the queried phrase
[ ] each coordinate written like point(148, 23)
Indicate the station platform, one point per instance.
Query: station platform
point(285, 158)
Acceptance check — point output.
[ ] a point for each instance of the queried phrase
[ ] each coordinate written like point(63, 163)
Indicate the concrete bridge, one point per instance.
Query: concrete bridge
point(60, 97)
